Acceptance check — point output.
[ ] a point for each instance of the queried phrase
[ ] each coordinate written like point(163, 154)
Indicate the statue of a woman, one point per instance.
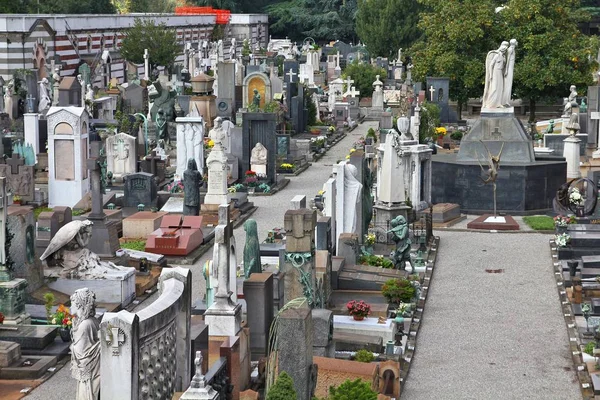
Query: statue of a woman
point(509, 73)
point(85, 346)
point(251, 249)
point(258, 155)
point(192, 180)
point(352, 195)
point(494, 77)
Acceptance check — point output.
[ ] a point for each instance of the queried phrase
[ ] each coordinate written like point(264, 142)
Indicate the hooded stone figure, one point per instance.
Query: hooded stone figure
point(192, 180)
point(251, 249)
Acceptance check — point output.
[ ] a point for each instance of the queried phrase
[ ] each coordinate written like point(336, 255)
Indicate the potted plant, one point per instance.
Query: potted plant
point(64, 319)
point(358, 309)
point(369, 242)
point(562, 239)
point(576, 199)
point(398, 291)
point(175, 187)
point(287, 167)
point(251, 181)
point(17, 199)
point(561, 222)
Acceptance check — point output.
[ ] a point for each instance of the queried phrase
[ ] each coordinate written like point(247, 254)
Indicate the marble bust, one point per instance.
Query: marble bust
point(258, 155)
point(217, 134)
point(85, 346)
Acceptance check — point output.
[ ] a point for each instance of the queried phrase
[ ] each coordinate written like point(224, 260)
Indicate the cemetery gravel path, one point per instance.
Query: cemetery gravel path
point(269, 215)
point(492, 335)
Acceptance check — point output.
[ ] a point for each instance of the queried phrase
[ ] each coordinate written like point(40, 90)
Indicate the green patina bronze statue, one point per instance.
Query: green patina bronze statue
point(251, 249)
point(401, 237)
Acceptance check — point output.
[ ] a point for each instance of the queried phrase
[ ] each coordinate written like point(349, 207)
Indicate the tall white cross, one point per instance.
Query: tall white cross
point(291, 74)
point(349, 83)
point(432, 91)
point(146, 65)
point(223, 233)
point(353, 92)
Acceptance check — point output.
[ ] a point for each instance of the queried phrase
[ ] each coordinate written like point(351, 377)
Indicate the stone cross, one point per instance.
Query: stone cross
point(349, 83)
point(353, 92)
point(146, 65)
point(496, 134)
point(115, 336)
point(432, 91)
point(223, 233)
point(291, 74)
point(93, 164)
point(15, 161)
point(153, 158)
point(30, 99)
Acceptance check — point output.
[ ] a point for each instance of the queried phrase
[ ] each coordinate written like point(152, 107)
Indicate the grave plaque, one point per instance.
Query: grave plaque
point(140, 188)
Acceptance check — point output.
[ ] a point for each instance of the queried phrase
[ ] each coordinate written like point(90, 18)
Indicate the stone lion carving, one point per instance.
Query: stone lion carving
point(68, 257)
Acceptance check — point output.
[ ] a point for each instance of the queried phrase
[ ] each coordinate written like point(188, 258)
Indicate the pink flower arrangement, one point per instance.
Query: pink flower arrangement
point(358, 308)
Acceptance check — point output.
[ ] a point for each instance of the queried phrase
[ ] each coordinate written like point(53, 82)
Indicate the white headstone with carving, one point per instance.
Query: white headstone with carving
point(190, 140)
point(120, 154)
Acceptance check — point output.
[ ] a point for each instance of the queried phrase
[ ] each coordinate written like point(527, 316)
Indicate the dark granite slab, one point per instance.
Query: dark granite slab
point(30, 336)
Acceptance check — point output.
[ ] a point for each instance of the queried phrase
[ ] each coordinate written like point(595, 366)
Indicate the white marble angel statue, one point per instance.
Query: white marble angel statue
point(495, 63)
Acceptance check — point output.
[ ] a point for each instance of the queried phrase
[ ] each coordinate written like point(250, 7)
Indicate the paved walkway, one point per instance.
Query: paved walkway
point(492, 336)
point(269, 215)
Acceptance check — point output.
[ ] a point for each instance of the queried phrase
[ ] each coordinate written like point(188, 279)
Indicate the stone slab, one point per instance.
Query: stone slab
point(481, 222)
point(443, 212)
point(369, 327)
point(9, 353)
point(173, 206)
point(120, 290)
point(28, 367)
point(30, 336)
point(141, 224)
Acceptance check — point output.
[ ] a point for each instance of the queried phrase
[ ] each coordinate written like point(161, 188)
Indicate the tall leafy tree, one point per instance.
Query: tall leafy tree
point(387, 25)
point(363, 76)
point(552, 53)
point(457, 36)
point(160, 41)
point(323, 20)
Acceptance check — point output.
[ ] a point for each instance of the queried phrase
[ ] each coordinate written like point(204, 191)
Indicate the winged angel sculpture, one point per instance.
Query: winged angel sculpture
point(67, 255)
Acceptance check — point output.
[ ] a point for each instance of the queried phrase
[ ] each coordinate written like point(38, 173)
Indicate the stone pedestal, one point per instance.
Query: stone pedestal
point(142, 224)
point(385, 213)
point(223, 320)
point(260, 169)
point(571, 154)
point(31, 126)
point(217, 177)
point(118, 287)
point(258, 293)
point(9, 353)
point(206, 106)
point(12, 302)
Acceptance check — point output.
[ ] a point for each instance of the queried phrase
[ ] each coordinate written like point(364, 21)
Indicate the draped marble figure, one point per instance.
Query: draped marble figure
point(499, 72)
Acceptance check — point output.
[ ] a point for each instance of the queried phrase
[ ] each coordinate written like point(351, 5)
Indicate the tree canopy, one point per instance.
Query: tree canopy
point(282, 389)
point(57, 7)
point(384, 26)
point(160, 41)
point(363, 76)
point(352, 390)
point(551, 55)
point(323, 20)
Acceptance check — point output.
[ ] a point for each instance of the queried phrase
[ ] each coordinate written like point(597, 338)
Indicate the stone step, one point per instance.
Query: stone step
point(568, 253)
point(591, 261)
point(585, 239)
point(360, 281)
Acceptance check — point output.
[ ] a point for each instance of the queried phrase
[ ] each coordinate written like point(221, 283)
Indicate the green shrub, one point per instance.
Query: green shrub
point(139, 245)
point(364, 356)
point(352, 390)
point(48, 303)
point(398, 291)
point(589, 348)
point(372, 134)
point(376, 261)
point(283, 389)
point(539, 222)
point(38, 210)
point(456, 135)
